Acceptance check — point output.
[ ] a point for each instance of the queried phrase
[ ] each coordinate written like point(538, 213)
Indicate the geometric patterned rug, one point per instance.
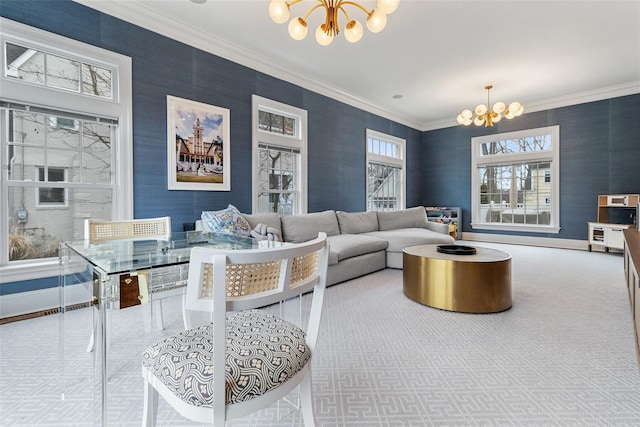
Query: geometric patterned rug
point(564, 354)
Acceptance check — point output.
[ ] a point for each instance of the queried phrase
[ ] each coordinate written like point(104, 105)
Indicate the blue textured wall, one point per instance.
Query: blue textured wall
point(599, 154)
point(600, 140)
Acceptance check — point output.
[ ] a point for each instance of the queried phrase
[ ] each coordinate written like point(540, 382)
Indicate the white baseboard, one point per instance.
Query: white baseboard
point(44, 299)
point(548, 242)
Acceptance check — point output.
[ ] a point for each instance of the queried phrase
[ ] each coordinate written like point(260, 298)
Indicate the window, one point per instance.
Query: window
point(51, 196)
point(385, 172)
point(33, 65)
point(515, 181)
point(280, 158)
point(64, 114)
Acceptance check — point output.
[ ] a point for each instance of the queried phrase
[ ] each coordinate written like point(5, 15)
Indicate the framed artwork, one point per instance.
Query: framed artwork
point(198, 151)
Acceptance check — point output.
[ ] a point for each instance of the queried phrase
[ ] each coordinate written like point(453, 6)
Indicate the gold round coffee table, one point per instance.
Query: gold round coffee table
point(478, 283)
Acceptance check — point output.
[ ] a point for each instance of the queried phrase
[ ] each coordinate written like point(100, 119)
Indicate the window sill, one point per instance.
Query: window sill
point(30, 270)
point(523, 228)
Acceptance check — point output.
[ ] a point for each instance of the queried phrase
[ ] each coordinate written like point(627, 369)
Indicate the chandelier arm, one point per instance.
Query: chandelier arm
point(344, 12)
point(312, 9)
point(352, 3)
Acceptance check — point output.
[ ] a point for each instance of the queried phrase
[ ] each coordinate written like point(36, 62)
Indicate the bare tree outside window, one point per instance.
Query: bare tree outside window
point(277, 171)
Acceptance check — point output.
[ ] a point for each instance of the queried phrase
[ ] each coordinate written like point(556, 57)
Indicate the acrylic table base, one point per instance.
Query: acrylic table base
point(479, 283)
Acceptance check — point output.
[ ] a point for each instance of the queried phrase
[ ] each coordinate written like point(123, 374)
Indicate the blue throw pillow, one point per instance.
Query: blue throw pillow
point(227, 221)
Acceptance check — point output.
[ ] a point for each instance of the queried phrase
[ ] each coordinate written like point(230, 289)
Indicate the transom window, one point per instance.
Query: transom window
point(515, 180)
point(279, 158)
point(276, 123)
point(34, 66)
point(385, 172)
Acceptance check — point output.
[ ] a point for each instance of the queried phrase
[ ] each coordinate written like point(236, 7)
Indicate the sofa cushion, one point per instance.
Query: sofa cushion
point(268, 219)
point(343, 246)
point(408, 218)
point(302, 228)
point(357, 222)
point(226, 221)
point(402, 238)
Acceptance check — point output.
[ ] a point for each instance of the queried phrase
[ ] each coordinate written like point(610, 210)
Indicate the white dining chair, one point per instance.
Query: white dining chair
point(246, 358)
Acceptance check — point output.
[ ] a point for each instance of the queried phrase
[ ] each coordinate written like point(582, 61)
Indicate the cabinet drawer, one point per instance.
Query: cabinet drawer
point(614, 238)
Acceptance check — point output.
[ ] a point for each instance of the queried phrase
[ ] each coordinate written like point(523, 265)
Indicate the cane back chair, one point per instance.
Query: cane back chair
point(96, 231)
point(264, 357)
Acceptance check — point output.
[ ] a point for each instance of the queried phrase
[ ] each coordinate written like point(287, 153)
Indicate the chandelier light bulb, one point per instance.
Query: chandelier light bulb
point(496, 117)
point(466, 115)
point(322, 37)
point(353, 31)
point(481, 109)
point(279, 11)
point(499, 107)
point(479, 121)
point(516, 108)
point(298, 29)
point(387, 6)
point(376, 21)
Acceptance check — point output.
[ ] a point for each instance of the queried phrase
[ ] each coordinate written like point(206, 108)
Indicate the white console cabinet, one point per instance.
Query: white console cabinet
point(607, 235)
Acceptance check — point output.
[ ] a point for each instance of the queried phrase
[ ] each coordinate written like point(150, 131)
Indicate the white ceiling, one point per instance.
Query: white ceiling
point(438, 55)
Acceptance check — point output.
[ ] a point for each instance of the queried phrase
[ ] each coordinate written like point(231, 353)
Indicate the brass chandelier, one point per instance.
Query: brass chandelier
point(279, 11)
point(487, 115)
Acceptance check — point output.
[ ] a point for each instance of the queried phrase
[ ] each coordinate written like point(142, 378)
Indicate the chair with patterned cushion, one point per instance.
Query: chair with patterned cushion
point(96, 231)
point(248, 357)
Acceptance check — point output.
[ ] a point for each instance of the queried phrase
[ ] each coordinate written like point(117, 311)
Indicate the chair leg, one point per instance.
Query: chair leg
point(150, 411)
point(186, 316)
point(306, 399)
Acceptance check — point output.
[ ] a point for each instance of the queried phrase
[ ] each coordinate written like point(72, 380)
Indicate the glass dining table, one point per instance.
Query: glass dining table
point(120, 274)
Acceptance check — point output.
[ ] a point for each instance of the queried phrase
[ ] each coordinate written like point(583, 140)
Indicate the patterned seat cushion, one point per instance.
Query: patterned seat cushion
point(263, 351)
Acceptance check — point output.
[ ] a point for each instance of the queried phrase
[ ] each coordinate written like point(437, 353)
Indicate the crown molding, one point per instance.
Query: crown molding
point(146, 17)
point(588, 96)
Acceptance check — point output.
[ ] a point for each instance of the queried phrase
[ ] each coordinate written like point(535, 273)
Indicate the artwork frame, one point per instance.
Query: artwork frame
point(198, 146)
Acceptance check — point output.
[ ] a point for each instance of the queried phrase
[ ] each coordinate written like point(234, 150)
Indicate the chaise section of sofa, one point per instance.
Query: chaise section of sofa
point(399, 229)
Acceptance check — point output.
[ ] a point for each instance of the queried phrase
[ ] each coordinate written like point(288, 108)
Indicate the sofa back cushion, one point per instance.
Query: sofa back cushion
point(408, 218)
point(357, 222)
point(301, 228)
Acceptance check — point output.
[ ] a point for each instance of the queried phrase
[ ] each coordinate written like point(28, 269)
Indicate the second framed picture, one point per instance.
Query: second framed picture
point(197, 146)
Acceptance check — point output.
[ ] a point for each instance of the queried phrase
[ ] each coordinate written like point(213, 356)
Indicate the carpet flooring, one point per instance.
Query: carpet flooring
point(563, 355)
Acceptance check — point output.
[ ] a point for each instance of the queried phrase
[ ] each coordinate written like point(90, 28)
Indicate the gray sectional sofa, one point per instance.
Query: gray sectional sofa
point(360, 242)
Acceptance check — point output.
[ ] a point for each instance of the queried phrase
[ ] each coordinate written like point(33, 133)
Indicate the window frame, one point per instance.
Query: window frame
point(394, 161)
point(551, 156)
point(118, 107)
point(297, 141)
